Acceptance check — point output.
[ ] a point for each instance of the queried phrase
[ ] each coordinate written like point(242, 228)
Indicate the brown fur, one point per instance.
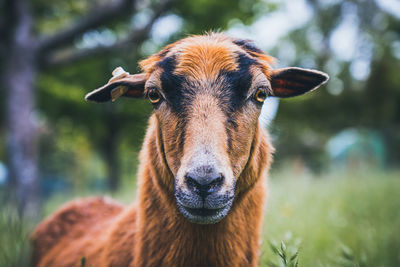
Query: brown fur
point(154, 232)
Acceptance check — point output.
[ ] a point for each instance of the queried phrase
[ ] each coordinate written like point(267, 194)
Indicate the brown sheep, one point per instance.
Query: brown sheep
point(203, 163)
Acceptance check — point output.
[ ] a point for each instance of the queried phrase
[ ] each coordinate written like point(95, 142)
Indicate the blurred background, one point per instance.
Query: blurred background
point(334, 188)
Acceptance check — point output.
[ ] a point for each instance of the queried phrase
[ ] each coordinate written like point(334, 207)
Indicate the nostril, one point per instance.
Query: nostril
point(203, 185)
point(216, 182)
point(191, 182)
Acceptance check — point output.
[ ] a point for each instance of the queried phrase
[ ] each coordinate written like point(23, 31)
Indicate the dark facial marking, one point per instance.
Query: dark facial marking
point(172, 84)
point(248, 45)
point(233, 85)
point(173, 88)
point(238, 83)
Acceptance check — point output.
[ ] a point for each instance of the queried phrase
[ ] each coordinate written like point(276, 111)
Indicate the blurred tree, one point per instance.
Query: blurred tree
point(24, 52)
point(356, 43)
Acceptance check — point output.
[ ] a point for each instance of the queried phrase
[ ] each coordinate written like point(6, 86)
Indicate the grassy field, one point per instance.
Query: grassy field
point(350, 219)
point(341, 219)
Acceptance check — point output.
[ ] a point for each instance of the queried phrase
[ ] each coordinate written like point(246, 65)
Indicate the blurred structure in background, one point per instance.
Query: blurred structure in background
point(52, 53)
point(3, 174)
point(357, 149)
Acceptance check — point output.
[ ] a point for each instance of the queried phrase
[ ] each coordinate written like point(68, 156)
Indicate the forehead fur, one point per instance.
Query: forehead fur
point(204, 56)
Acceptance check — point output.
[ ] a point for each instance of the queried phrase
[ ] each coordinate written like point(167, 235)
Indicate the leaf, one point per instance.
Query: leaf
point(347, 253)
point(294, 256)
point(283, 246)
point(273, 247)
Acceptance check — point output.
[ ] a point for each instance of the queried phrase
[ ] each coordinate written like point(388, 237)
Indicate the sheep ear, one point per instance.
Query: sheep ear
point(290, 82)
point(121, 84)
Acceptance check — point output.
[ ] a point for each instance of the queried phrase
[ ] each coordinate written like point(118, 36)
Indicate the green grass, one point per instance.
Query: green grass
point(334, 217)
point(14, 234)
point(340, 219)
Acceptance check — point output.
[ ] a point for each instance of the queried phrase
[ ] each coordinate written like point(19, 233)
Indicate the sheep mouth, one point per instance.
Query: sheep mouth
point(204, 211)
point(204, 215)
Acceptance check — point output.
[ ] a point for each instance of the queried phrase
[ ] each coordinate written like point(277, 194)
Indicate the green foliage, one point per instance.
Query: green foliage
point(51, 16)
point(348, 259)
point(286, 259)
point(216, 15)
point(305, 124)
point(14, 234)
point(358, 209)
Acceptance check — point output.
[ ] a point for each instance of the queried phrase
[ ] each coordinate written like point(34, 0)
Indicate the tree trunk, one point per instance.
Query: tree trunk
point(112, 162)
point(19, 76)
point(110, 148)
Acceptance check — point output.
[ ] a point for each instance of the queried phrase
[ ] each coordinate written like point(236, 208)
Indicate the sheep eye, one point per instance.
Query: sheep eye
point(154, 96)
point(260, 95)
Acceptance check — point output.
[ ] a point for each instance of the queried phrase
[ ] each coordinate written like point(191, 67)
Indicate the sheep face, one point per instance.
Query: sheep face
point(207, 127)
point(207, 93)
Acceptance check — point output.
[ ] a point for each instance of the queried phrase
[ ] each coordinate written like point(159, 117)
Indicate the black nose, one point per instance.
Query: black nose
point(204, 180)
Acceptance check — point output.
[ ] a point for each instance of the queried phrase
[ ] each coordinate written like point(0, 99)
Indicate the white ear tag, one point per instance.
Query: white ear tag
point(118, 73)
